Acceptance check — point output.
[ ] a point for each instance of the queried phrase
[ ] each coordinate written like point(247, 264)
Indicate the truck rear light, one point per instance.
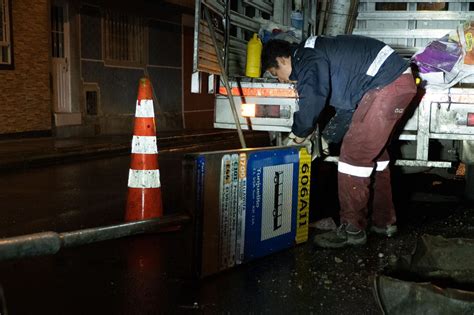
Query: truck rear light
point(263, 111)
point(248, 110)
point(470, 119)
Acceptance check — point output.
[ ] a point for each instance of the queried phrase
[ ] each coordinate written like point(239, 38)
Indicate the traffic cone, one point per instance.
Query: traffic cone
point(144, 187)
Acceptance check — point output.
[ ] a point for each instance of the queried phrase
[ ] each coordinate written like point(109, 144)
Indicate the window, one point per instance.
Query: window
point(124, 39)
point(6, 51)
point(57, 31)
point(91, 103)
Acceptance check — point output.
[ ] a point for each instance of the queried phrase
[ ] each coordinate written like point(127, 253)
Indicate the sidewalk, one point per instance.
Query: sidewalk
point(31, 152)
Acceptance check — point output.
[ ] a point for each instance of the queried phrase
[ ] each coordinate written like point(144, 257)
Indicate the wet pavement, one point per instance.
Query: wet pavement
point(71, 192)
point(154, 274)
point(20, 153)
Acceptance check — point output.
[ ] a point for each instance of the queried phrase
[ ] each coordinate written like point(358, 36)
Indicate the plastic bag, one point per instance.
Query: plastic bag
point(271, 30)
point(439, 55)
point(450, 58)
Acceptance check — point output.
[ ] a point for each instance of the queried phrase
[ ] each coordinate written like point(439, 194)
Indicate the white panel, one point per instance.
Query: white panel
point(196, 82)
point(61, 86)
point(60, 69)
point(276, 200)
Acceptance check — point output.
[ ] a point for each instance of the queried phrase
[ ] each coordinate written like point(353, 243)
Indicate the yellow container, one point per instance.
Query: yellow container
point(254, 52)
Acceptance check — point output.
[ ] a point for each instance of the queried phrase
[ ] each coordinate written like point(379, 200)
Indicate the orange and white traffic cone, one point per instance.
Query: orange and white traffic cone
point(144, 187)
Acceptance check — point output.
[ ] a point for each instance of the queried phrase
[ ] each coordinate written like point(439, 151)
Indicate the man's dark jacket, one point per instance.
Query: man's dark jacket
point(335, 69)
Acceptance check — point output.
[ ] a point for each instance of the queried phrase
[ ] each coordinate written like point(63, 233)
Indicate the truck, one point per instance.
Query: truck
point(437, 137)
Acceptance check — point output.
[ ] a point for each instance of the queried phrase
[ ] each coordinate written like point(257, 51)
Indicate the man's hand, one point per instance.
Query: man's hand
point(292, 139)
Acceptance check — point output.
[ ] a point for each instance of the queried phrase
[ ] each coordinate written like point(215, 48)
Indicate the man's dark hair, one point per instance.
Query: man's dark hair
point(273, 49)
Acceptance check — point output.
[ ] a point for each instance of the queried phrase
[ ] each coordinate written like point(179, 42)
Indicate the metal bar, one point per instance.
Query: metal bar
point(451, 136)
point(238, 43)
point(215, 6)
point(407, 137)
point(45, 243)
point(197, 20)
point(417, 16)
point(227, 36)
point(48, 243)
point(262, 5)
point(404, 1)
point(278, 11)
point(255, 127)
point(424, 163)
point(423, 137)
point(87, 236)
point(353, 12)
point(244, 22)
point(402, 33)
point(322, 17)
point(226, 81)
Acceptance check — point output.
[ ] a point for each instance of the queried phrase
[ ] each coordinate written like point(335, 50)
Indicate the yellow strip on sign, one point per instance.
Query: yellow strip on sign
point(304, 179)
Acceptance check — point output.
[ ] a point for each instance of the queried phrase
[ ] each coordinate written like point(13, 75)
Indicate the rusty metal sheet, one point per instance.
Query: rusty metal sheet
point(207, 58)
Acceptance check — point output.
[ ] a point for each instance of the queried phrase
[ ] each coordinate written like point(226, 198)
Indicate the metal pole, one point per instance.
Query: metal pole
point(279, 139)
point(227, 36)
point(104, 233)
point(278, 11)
point(45, 243)
point(224, 78)
point(338, 17)
point(48, 243)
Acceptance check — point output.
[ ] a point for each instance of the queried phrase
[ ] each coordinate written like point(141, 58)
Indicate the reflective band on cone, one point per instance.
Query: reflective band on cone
point(144, 186)
point(144, 145)
point(145, 109)
point(144, 179)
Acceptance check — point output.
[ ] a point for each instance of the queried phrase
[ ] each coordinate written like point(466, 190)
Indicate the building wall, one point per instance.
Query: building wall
point(25, 96)
point(25, 91)
point(118, 85)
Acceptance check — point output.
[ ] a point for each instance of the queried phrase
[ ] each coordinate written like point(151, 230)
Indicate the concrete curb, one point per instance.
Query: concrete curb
point(48, 243)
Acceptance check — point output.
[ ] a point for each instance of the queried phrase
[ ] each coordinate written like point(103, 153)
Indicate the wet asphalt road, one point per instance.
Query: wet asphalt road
point(91, 193)
point(153, 274)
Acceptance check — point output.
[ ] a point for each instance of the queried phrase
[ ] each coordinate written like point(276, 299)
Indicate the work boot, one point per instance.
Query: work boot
point(344, 235)
point(388, 231)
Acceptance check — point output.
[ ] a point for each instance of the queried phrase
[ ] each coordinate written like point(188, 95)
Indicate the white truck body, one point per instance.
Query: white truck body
point(443, 116)
point(441, 130)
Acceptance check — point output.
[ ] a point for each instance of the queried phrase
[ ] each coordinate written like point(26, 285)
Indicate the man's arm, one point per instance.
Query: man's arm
point(313, 90)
